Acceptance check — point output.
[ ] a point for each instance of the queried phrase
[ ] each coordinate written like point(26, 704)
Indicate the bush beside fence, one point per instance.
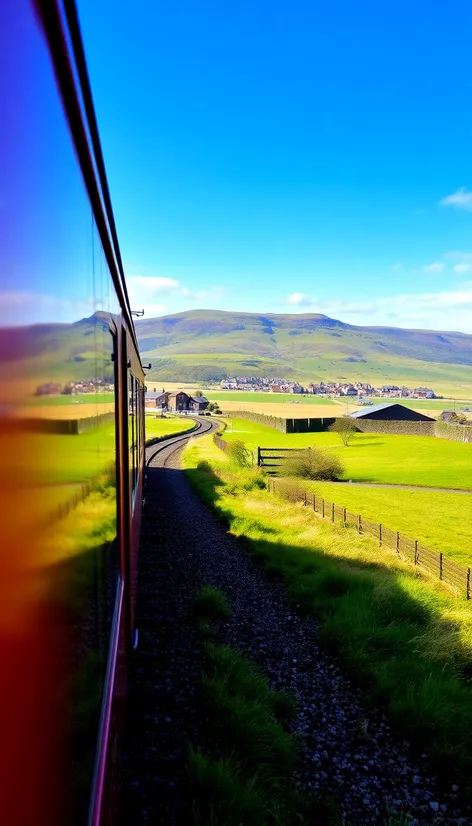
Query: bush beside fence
point(411, 550)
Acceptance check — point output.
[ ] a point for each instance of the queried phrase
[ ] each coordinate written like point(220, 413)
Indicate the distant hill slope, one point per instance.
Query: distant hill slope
point(205, 345)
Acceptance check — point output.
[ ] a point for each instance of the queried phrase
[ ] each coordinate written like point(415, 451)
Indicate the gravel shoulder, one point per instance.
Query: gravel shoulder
point(348, 751)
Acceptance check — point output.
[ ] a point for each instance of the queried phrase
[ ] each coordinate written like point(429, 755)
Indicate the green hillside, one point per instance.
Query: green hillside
point(207, 345)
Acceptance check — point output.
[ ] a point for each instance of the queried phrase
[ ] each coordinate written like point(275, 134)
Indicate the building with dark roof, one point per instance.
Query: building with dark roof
point(391, 412)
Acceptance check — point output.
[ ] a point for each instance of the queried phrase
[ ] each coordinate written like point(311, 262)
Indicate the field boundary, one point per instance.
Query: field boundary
point(319, 424)
point(435, 562)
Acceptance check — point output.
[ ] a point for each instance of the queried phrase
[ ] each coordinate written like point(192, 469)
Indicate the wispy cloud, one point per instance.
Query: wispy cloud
point(461, 268)
point(446, 310)
point(300, 300)
point(435, 268)
point(397, 266)
point(158, 295)
point(462, 199)
point(460, 257)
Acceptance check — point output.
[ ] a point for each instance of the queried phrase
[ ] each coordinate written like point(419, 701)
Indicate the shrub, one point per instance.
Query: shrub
point(313, 464)
point(239, 454)
point(346, 429)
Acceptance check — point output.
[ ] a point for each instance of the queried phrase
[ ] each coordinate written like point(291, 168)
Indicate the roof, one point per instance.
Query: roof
point(374, 408)
point(153, 395)
point(199, 399)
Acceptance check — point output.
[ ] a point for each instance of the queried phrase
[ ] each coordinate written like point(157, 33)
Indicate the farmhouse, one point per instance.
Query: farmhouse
point(158, 400)
point(182, 402)
point(392, 412)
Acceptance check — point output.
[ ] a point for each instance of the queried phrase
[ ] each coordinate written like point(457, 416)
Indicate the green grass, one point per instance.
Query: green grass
point(245, 775)
point(86, 398)
point(371, 457)
point(211, 604)
point(403, 636)
point(169, 426)
point(439, 521)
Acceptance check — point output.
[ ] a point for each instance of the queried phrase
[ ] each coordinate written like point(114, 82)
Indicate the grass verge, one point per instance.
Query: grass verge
point(245, 774)
point(398, 631)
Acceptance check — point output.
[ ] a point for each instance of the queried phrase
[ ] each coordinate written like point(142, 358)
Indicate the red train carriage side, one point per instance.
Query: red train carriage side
point(71, 436)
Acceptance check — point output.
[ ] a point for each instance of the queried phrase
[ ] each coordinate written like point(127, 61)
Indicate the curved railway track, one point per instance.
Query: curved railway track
point(174, 443)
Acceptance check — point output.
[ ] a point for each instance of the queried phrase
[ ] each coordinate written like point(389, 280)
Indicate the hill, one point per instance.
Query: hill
point(207, 345)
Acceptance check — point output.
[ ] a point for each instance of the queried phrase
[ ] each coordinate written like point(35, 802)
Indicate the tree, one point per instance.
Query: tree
point(346, 429)
point(198, 393)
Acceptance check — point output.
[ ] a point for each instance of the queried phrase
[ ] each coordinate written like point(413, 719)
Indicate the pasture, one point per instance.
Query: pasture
point(403, 460)
point(439, 521)
point(157, 426)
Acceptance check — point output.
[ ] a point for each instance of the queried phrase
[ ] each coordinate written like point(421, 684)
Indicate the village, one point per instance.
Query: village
point(359, 389)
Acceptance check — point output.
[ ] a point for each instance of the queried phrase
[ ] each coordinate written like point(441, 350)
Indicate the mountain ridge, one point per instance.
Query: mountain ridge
point(210, 344)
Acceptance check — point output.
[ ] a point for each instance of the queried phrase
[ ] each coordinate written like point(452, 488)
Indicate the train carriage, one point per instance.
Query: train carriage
point(71, 436)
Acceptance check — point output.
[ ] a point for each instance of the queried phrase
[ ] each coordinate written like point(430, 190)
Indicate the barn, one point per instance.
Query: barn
point(387, 412)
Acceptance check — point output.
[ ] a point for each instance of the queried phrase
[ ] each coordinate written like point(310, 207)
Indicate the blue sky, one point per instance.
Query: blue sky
point(290, 157)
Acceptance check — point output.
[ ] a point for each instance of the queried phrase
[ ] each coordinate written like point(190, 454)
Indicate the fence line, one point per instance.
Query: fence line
point(411, 550)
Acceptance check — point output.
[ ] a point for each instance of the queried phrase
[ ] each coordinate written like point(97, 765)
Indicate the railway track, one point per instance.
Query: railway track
point(174, 443)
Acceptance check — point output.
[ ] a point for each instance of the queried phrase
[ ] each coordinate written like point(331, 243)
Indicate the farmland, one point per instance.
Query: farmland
point(439, 521)
point(157, 426)
point(405, 460)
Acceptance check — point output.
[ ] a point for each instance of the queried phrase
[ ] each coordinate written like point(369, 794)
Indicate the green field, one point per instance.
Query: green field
point(156, 426)
point(405, 460)
point(439, 521)
point(85, 398)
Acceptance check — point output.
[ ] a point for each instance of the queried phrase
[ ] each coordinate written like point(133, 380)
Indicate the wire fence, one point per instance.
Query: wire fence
point(454, 575)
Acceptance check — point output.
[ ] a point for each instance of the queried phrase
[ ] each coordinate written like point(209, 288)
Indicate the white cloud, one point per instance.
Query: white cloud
point(446, 310)
point(300, 300)
point(27, 307)
point(434, 268)
point(151, 285)
point(462, 199)
point(460, 268)
point(397, 266)
point(148, 292)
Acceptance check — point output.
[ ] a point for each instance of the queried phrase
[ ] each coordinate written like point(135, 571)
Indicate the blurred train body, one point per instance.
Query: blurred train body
point(71, 437)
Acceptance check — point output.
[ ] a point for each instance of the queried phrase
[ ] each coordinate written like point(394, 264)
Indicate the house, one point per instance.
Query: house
point(390, 411)
point(448, 416)
point(181, 402)
point(157, 400)
point(198, 403)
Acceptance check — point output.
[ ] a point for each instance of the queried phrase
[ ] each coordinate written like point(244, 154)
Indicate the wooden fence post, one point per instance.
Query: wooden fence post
point(380, 535)
point(359, 524)
point(305, 499)
point(258, 456)
point(322, 508)
point(332, 512)
point(314, 502)
point(344, 516)
point(467, 585)
point(416, 552)
point(398, 543)
point(440, 565)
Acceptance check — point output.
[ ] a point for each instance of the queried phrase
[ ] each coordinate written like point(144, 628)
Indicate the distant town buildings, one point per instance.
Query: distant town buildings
point(331, 388)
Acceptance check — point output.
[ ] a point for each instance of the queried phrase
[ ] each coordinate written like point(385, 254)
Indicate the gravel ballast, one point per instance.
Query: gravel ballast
point(348, 750)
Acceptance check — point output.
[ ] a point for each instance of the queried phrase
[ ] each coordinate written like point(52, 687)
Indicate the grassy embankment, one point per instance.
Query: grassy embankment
point(403, 637)
point(244, 771)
